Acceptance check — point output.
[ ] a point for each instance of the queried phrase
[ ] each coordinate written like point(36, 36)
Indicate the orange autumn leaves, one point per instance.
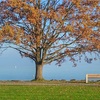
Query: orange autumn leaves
point(10, 33)
point(6, 31)
point(74, 16)
point(34, 14)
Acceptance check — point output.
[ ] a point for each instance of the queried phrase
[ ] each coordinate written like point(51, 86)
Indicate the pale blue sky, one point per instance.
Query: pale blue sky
point(14, 67)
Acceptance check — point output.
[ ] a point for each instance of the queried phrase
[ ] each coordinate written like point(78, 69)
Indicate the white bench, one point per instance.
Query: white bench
point(92, 76)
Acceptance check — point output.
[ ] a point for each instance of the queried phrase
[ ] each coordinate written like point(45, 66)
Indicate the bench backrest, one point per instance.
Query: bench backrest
point(93, 75)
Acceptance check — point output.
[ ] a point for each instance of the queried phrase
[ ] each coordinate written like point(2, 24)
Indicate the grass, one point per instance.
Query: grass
point(52, 92)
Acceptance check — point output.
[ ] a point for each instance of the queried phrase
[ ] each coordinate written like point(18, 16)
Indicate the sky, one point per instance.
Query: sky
point(14, 67)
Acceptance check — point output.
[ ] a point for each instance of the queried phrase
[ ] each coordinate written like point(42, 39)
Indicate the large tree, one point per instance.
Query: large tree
point(51, 30)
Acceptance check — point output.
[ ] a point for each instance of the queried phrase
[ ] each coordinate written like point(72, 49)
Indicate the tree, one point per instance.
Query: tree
point(51, 30)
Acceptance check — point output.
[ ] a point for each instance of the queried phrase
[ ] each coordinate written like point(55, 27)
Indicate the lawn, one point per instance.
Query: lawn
point(51, 92)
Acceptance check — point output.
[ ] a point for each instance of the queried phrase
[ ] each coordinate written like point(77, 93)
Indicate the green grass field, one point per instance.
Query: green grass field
point(52, 92)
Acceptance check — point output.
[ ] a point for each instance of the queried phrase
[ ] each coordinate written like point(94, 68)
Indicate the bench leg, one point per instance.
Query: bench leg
point(86, 78)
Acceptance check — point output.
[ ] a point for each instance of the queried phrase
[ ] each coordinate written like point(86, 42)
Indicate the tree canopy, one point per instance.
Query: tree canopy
point(50, 30)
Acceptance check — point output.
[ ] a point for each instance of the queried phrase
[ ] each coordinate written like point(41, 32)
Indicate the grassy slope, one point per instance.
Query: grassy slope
point(41, 92)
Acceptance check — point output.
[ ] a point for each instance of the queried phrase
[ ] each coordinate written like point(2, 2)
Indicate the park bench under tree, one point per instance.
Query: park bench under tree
point(96, 76)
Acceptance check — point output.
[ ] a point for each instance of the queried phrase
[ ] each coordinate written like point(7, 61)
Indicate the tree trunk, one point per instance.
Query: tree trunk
point(38, 74)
